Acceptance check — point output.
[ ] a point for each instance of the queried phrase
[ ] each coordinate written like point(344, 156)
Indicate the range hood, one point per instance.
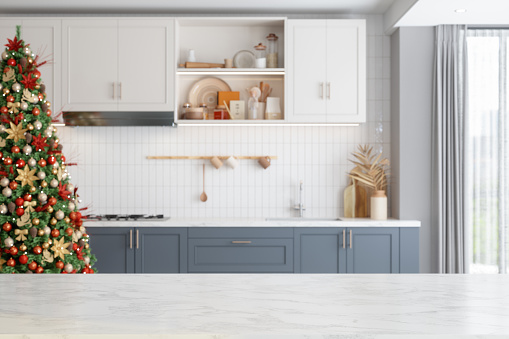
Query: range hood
point(119, 119)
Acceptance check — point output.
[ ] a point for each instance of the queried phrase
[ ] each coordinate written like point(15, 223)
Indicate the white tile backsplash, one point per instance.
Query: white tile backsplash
point(114, 175)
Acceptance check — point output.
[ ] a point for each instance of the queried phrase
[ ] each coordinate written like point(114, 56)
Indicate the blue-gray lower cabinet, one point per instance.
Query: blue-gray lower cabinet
point(240, 250)
point(139, 250)
point(346, 250)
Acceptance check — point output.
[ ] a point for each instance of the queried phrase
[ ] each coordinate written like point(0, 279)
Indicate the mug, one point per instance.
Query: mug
point(264, 162)
point(228, 63)
point(232, 162)
point(216, 162)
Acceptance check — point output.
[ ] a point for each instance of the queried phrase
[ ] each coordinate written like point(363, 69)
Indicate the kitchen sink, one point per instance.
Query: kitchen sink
point(297, 219)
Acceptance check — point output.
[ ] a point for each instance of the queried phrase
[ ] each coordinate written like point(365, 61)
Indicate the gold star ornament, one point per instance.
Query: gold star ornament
point(26, 176)
point(16, 132)
point(59, 248)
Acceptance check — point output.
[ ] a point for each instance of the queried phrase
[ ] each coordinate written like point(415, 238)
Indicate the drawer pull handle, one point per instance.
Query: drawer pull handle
point(241, 241)
point(350, 238)
point(130, 239)
point(137, 239)
point(344, 238)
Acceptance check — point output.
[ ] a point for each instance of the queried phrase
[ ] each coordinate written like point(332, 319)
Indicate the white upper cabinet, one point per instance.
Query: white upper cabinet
point(44, 37)
point(118, 64)
point(327, 71)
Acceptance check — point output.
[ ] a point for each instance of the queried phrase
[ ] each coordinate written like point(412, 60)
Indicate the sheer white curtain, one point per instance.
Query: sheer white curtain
point(487, 151)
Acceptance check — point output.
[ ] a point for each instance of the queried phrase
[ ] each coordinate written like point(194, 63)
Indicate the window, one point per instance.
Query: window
point(487, 150)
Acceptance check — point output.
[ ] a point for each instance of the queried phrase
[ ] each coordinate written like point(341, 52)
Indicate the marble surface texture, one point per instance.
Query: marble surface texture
point(254, 306)
point(256, 222)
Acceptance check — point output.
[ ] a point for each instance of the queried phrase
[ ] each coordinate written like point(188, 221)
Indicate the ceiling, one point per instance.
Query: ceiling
point(195, 6)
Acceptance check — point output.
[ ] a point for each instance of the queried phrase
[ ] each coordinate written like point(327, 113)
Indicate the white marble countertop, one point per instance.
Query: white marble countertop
point(256, 222)
point(251, 306)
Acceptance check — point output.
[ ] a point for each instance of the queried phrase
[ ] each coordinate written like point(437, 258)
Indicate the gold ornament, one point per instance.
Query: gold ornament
point(30, 127)
point(49, 105)
point(30, 60)
point(35, 221)
point(6, 91)
point(44, 184)
point(2, 261)
point(50, 241)
point(50, 209)
point(21, 234)
point(87, 246)
point(59, 248)
point(40, 233)
point(32, 189)
point(37, 86)
point(54, 171)
point(63, 166)
point(26, 176)
point(45, 245)
point(46, 256)
point(13, 107)
point(56, 139)
point(2, 142)
point(53, 221)
point(23, 247)
point(67, 219)
point(29, 206)
point(16, 132)
point(9, 75)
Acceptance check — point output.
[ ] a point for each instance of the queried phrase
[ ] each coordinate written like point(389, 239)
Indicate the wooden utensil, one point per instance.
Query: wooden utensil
point(203, 196)
point(203, 65)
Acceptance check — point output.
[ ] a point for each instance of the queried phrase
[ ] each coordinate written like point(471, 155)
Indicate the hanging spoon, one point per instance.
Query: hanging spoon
point(203, 196)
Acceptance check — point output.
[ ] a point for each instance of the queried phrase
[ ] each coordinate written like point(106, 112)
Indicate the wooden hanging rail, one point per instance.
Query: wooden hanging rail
point(222, 157)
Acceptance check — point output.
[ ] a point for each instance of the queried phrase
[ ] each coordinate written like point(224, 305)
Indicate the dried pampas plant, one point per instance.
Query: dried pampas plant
point(370, 170)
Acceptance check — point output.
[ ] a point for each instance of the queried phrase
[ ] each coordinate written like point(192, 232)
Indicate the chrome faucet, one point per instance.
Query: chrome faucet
point(300, 206)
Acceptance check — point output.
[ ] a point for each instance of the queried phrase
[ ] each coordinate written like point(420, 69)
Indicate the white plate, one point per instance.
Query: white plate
point(244, 59)
point(205, 91)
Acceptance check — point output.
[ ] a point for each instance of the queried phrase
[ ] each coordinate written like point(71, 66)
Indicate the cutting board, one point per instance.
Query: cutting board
point(349, 201)
point(361, 201)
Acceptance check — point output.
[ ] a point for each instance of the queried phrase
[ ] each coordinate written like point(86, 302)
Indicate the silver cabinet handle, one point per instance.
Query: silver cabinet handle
point(328, 90)
point(344, 238)
point(114, 91)
point(350, 238)
point(321, 90)
point(131, 239)
point(120, 91)
point(137, 239)
point(241, 241)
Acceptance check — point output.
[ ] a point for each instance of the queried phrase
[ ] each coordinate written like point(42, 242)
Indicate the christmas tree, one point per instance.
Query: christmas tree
point(41, 227)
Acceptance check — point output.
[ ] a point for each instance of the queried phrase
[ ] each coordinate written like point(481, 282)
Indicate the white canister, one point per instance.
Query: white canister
point(378, 205)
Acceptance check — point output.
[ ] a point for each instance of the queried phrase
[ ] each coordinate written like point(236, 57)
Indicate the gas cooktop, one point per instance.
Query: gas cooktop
point(129, 217)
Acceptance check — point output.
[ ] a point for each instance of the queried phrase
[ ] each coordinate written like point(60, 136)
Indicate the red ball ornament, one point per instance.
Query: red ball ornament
point(1, 155)
point(74, 246)
point(27, 197)
point(59, 265)
point(20, 163)
point(19, 201)
point(15, 149)
point(20, 211)
point(63, 272)
point(36, 111)
point(11, 62)
point(7, 227)
point(39, 270)
point(55, 233)
point(36, 74)
point(13, 250)
point(13, 185)
point(62, 158)
point(52, 201)
point(68, 231)
point(52, 160)
point(10, 98)
point(11, 262)
point(72, 215)
point(4, 110)
point(7, 161)
point(40, 96)
point(37, 250)
point(48, 113)
point(32, 266)
point(78, 222)
point(42, 163)
point(23, 259)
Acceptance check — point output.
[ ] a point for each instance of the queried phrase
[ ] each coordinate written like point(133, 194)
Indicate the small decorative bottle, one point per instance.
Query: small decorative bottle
point(260, 54)
point(272, 50)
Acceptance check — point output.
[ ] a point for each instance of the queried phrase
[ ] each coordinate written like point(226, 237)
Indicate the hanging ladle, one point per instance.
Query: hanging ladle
point(203, 196)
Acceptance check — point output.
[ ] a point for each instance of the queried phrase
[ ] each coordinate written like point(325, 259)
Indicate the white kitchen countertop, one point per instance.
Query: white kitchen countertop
point(251, 306)
point(256, 222)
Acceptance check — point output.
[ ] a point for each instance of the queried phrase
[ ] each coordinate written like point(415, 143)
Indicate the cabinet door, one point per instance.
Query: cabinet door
point(161, 250)
point(44, 37)
point(90, 64)
point(146, 65)
point(113, 248)
point(346, 71)
point(372, 250)
point(240, 255)
point(320, 250)
point(307, 72)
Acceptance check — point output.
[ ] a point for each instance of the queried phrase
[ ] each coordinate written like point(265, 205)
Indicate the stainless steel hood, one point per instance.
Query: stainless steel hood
point(119, 119)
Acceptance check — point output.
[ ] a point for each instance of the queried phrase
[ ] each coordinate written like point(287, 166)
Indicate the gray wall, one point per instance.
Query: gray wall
point(412, 51)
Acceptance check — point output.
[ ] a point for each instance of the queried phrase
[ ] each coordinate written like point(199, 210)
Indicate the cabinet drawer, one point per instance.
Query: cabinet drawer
point(240, 255)
point(240, 232)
